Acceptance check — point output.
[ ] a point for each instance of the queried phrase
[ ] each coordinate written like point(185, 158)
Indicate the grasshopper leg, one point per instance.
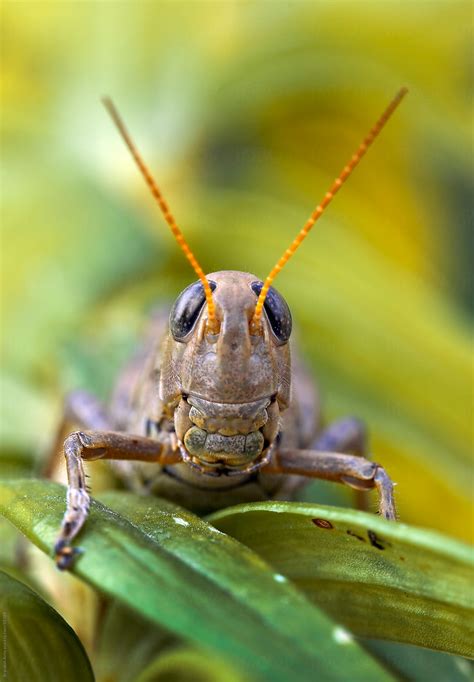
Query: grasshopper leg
point(347, 435)
point(91, 445)
point(357, 472)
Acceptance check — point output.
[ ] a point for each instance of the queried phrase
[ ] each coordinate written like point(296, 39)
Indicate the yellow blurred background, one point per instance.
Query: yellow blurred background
point(246, 112)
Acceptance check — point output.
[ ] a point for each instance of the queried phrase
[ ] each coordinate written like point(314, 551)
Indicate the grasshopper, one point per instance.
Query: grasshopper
point(204, 414)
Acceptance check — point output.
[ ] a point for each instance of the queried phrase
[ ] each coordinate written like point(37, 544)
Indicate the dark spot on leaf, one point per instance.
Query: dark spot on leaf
point(322, 523)
point(375, 541)
point(402, 558)
point(354, 535)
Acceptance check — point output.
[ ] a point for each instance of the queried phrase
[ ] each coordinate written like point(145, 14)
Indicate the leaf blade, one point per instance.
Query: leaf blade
point(38, 643)
point(400, 583)
point(128, 562)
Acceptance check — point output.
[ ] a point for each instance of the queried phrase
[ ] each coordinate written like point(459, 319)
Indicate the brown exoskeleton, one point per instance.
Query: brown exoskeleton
point(206, 417)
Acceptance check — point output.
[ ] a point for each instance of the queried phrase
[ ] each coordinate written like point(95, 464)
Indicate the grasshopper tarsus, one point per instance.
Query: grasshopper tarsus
point(65, 555)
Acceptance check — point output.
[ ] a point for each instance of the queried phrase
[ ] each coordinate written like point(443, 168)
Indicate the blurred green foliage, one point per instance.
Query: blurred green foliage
point(246, 112)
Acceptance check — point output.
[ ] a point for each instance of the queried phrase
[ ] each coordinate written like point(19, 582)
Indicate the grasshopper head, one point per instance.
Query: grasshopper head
point(227, 388)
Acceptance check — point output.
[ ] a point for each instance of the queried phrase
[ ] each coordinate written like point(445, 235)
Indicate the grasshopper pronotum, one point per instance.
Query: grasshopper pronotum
point(203, 414)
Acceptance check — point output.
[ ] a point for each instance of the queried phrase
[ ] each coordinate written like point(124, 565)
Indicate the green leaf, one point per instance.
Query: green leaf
point(380, 579)
point(184, 664)
point(8, 544)
point(140, 641)
point(176, 570)
point(38, 644)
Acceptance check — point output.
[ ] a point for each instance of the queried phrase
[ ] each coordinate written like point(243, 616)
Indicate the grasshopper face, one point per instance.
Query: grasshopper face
point(226, 390)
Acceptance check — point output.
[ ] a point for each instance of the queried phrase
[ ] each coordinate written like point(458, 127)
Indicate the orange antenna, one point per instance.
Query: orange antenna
point(338, 182)
point(155, 190)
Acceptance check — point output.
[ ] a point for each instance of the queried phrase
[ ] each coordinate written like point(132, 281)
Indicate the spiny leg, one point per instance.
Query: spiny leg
point(82, 445)
point(349, 436)
point(357, 472)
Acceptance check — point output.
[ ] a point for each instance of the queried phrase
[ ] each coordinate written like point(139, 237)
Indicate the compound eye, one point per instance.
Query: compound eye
point(186, 310)
point(277, 312)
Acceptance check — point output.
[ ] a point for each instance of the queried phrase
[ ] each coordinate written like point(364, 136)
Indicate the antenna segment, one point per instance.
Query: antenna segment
point(316, 214)
point(212, 323)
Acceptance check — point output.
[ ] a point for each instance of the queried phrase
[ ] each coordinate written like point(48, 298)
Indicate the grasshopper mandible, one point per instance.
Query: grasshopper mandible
point(204, 415)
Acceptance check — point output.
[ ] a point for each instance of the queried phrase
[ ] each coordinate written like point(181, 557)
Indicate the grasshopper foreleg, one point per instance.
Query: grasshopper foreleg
point(91, 445)
point(355, 471)
point(349, 436)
